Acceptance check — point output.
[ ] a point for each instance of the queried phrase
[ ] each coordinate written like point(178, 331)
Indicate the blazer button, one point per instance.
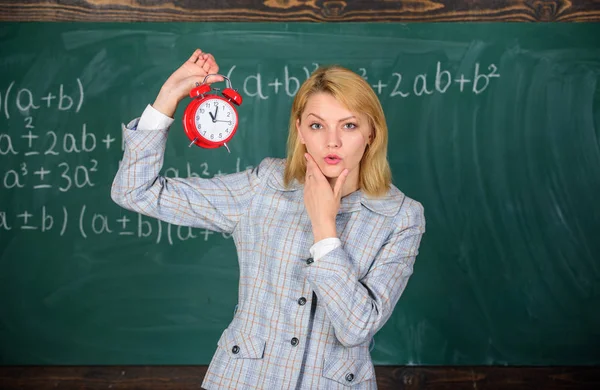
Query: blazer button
point(350, 377)
point(302, 301)
point(309, 261)
point(235, 349)
point(295, 341)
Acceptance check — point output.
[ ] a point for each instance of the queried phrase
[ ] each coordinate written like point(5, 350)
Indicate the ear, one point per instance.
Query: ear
point(299, 132)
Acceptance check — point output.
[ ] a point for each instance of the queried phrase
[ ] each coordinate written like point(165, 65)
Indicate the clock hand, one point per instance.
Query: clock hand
point(215, 116)
point(211, 116)
point(217, 120)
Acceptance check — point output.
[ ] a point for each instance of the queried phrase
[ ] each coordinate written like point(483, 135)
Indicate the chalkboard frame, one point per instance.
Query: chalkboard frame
point(301, 11)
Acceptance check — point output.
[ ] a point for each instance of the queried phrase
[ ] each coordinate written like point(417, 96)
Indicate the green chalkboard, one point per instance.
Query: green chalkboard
point(493, 127)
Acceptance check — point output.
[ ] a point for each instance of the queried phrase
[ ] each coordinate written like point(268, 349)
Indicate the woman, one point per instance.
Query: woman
point(325, 243)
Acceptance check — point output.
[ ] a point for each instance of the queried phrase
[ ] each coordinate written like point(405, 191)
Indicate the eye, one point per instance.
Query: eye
point(316, 126)
point(350, 125)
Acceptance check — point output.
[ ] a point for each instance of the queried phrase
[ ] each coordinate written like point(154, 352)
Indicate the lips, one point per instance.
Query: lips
point(333, 159)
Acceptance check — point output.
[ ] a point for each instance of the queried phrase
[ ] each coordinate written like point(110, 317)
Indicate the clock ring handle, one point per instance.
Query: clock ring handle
point(216, 74)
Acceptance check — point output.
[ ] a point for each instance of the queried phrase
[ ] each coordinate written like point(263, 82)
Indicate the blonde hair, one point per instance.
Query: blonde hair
point(357, 96)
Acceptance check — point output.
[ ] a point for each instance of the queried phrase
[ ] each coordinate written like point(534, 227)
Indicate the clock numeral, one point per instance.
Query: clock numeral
point(229, 114)
point(212, 136)
point(202, 111)
point(220, 135)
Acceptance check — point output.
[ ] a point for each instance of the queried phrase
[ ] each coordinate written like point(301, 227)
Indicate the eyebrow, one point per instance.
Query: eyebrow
point(341, 120)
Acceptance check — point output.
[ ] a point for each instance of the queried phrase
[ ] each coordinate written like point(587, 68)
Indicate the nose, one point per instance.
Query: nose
point(333, 138)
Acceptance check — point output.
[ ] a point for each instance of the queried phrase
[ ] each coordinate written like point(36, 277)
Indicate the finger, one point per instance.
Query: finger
point(200, 65)
point(201, 60)
point(311, 171)
point(207, 63)
point(213, 63)
point(309, 163)
point(195, 55)
point(213, 68)
point(339, 183)
point(316, 170)
point(308, 166)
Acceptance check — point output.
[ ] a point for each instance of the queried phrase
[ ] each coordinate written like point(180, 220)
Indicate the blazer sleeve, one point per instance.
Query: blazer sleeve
point(215, 204)
point(357, 308)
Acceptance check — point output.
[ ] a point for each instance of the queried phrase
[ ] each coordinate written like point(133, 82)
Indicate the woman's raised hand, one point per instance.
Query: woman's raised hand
point(181, 82)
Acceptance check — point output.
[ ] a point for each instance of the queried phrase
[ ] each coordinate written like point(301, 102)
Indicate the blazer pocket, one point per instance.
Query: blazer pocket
point(348, 372)
point(241, 346)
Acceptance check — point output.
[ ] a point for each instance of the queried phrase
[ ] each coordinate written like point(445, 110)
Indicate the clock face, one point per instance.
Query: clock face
point(215, 120)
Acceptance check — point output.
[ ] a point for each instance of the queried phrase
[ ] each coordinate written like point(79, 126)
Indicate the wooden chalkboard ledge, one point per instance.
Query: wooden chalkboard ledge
point(388, 377)
point(299, 11)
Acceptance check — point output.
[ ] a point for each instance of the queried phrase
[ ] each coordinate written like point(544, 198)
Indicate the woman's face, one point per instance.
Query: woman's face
point(335, 137)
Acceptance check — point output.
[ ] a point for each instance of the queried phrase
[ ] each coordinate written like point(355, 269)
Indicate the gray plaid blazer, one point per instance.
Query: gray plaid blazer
point(301, 323)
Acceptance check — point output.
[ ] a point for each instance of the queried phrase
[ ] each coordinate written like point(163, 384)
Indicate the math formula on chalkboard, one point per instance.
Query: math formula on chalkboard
point(392, 84)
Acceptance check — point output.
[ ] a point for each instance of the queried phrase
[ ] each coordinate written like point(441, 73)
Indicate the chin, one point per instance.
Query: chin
point(332, 171)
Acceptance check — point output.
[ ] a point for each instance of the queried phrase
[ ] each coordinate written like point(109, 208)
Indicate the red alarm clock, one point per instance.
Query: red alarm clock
point(211, 120)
